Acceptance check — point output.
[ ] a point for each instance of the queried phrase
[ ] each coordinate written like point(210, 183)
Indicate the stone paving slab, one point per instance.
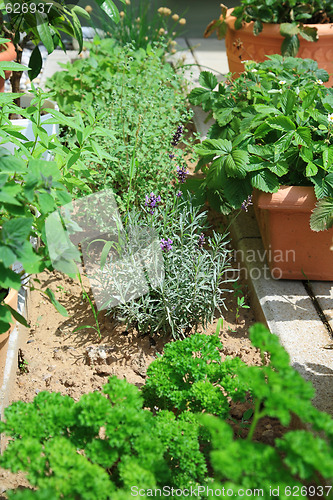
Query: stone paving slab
point(185, 56)
point(323, 291)
point(210, 54)
point(289, 313)
point(53, 61)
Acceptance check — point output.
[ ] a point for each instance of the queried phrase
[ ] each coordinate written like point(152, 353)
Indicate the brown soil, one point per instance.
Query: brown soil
point(75, 363)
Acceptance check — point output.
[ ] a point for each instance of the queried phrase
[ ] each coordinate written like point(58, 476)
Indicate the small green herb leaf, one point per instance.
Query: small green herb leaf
point(56, 304)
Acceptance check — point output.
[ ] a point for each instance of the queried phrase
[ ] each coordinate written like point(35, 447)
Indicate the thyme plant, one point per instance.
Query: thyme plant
point(141, 102)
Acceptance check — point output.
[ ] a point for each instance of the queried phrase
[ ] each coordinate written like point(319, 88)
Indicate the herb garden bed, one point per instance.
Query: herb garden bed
point(138, 396)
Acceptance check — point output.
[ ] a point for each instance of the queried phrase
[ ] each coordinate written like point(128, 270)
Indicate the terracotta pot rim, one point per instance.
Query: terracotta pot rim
point(300, 198)
point(270, 29)
point(9, 54)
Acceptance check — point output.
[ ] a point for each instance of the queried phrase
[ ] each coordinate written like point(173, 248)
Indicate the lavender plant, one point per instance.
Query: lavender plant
point(191, 291)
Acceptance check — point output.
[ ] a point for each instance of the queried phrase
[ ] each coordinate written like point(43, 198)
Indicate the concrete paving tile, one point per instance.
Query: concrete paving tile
point(201, 123)
point(185, 57)
point(245, 225)
point(210, 54)
point(323, 291)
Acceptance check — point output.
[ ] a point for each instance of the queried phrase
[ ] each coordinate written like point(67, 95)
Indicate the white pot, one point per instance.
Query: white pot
point(26, 125)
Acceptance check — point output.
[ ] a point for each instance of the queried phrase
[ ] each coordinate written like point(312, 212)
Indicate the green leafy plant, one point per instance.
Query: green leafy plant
point(8, 65)
point(291, 15)
point(136, 449)
point(141, 24)
point(25, 185)
point(85, 295)
point(191, 290)
point(322, 215)
point(32, 188)
point(241, 302)
point(190, 376)
point(24, 22)
point(23, 364)
point(107, 443)
point(140, 113)
point(278, 391)
point(274, 126)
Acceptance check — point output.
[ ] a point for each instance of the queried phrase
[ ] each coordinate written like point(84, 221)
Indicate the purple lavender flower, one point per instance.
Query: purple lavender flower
point(182, 174)
point(171, 156)
point(152, 201)
point(201, 240)
point(177, 136)
point(166, 245)
point(246, 203)
point(179, 194)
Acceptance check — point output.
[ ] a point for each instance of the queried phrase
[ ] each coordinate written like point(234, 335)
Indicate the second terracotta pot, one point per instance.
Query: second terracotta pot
point(242, 45)
point(11, 299)
point(7, 55)
point(292, 249)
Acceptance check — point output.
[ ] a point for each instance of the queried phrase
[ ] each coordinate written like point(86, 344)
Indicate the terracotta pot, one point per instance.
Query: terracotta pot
point(11, 299)
point(7, 55)
point(293, 250)
point(242, 45)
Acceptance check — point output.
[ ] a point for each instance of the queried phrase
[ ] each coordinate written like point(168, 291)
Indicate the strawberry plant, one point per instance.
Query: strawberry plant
point(273, 126)
point(292, 15)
